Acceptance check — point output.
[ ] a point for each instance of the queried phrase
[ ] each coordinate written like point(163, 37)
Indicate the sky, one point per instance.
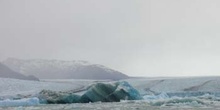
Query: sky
point(137, 37)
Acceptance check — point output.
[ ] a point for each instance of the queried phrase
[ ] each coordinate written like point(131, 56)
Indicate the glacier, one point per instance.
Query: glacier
point(150, 92)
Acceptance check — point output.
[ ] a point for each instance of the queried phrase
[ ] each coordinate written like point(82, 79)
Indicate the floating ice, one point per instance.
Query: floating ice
point(197, 94)
point(20, 102)
point(178, 102)
point(162, 95)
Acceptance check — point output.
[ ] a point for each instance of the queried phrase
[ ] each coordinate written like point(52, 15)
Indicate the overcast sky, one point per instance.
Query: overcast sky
point(136, 37)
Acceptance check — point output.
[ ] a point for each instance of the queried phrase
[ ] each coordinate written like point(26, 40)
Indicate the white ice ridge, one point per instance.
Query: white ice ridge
point(20, 102)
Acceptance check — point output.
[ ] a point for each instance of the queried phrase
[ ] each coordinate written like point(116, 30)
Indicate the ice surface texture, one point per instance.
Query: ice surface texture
point(21, 102)
point(178, 102)
point(12, 87)
point(104, 92)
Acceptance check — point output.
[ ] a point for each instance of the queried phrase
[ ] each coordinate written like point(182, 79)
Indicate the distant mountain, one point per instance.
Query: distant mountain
point(56, 69)
point(6, 72)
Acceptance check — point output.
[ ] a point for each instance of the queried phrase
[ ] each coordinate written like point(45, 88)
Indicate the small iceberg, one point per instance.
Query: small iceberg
point(162, 95)
point(20, 102)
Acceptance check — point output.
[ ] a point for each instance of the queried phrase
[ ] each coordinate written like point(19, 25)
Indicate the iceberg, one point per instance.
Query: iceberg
point(111, 92)
point(103, 92)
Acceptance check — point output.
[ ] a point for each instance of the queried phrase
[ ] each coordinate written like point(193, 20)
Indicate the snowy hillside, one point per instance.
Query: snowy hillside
point(6, 72)
point(56, 69)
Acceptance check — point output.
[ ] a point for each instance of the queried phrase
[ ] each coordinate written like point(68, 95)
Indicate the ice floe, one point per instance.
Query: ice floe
point(20, 102)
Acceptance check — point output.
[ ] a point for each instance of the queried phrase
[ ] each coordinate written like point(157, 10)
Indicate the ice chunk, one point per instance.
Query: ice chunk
point(21, 102)
point(162, 95)
point(111, 92)
point(178, 101)
point(193, 94)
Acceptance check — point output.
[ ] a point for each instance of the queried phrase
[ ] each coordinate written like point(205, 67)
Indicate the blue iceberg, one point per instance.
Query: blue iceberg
point(110, 92)
point(104, 92)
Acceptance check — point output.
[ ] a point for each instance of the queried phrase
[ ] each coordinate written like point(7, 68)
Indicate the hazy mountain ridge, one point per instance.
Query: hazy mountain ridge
point(58, 69)
point(6, 72)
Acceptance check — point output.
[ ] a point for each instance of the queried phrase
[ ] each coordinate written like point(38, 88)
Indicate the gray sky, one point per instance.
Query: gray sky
point(136, 37)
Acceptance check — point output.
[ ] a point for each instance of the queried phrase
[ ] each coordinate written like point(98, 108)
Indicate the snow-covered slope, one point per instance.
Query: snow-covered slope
point(6, 72)
point(57, 69)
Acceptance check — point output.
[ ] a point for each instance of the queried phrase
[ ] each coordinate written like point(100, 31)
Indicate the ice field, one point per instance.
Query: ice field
point(185, 93)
